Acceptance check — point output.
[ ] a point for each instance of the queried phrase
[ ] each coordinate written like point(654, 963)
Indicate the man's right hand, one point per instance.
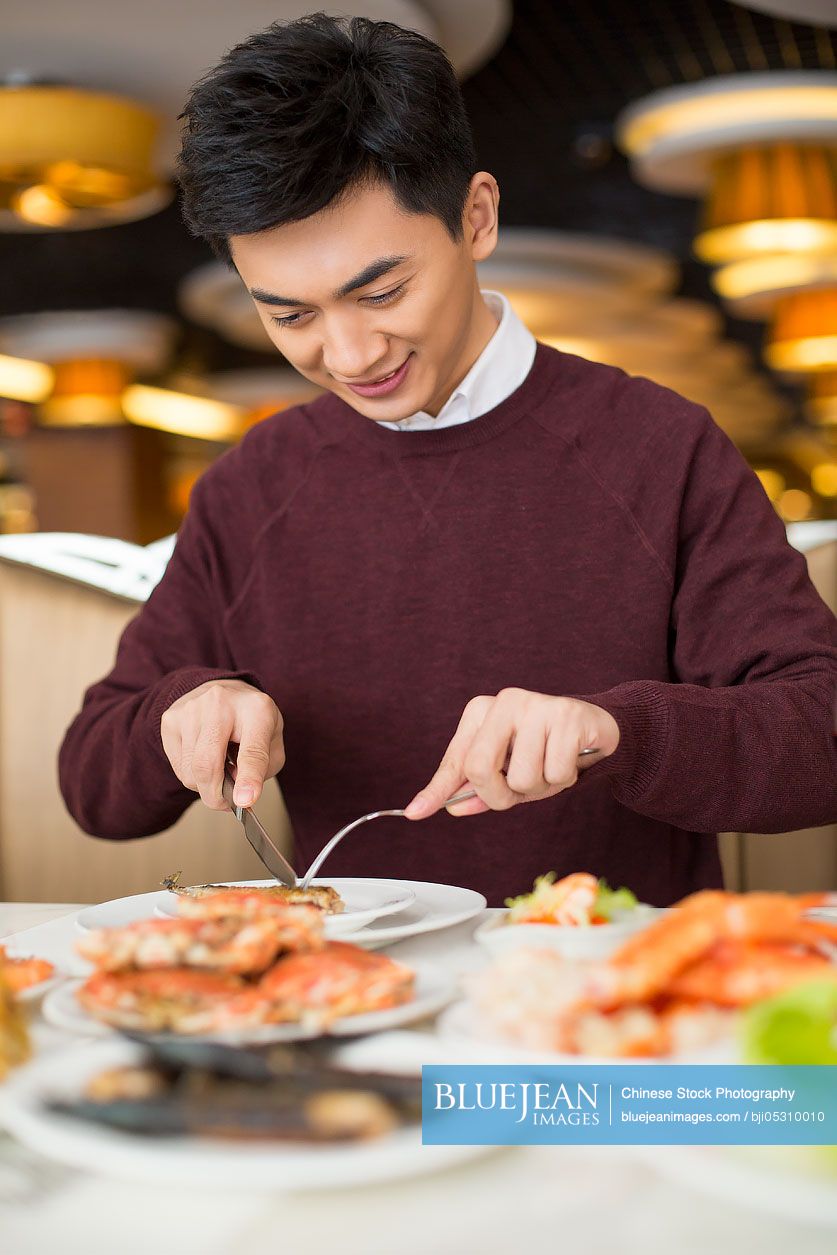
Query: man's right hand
point(197, 729)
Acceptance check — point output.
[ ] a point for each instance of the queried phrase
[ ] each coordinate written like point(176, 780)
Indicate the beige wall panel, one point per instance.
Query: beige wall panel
point(792, 861)
point(56, 638)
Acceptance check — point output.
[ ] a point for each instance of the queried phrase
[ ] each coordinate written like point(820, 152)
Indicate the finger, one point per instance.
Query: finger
point(525, 771)
point(561, 759)
point(207, 761)
point(473, 805)
point(488, 754)
point(450, 777)
point(260, 753)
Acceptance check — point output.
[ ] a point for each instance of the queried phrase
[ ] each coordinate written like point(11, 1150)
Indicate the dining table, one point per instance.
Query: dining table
point(582, 1200)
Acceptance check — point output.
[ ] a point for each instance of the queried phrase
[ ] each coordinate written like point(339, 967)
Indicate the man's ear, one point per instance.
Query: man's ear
point(480, 216)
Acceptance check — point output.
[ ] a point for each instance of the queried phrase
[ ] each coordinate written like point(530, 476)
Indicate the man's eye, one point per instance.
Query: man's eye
point(293, 320)
point(383, 297)
point(288, 320)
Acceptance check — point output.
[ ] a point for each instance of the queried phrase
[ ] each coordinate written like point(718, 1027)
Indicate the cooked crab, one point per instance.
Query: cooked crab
point(177, 999)
point(227, 943)
point(340, 979)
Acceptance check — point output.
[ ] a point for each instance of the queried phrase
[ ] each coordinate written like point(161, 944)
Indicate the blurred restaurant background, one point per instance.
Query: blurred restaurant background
point(668, 177)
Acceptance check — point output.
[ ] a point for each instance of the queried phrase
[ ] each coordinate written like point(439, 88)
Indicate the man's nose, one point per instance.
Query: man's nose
point(354, 355)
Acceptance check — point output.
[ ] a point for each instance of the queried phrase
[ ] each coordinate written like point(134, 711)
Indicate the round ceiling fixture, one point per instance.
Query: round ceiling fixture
point(597, 258)
point(214, 296)
point(156, 60)
point(817, 12)
point(92, 355)
point(140, 339)
point(821, 405)
point(803, 334)
point(72, 159)
point(752, 288)
point(259, 390)
point(675, 136)
point(760, 148)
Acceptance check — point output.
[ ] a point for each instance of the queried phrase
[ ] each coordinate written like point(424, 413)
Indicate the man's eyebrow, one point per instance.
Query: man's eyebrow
point(375, 270)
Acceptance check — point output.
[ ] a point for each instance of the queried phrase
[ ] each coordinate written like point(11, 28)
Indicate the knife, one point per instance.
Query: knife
point(273, 858)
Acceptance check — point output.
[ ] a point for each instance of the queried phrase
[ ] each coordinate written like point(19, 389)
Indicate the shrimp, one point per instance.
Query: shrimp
point(647, 1030)
point(734, 973)
point(340, 979)
point(245, 946)
point(179, 999)
point(628, 1032)
point(649, 961)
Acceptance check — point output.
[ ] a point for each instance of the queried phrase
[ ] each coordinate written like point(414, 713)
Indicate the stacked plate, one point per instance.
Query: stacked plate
point(376, 912)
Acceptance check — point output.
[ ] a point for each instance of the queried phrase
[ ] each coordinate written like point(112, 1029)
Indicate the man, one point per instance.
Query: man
point(469, 536)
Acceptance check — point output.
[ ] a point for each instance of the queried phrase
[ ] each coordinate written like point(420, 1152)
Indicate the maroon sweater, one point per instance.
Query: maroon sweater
point(593, 535)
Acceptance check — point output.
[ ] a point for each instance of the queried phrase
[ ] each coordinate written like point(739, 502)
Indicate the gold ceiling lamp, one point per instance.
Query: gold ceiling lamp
point(183, 415)
point(760, 149)
point(803, 334)
point(22, 379)
point(776, 199)
point(87, 393)
point(72, 159)
point(821, 406)
point(87, 358)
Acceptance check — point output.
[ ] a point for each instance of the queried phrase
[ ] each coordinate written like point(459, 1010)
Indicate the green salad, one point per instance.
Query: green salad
point(578, 900)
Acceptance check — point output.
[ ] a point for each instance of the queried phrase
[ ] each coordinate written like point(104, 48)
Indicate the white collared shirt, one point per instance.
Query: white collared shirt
point(498, 372)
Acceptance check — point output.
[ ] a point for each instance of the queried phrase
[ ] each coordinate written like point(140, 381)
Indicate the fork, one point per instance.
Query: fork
point(338, 836)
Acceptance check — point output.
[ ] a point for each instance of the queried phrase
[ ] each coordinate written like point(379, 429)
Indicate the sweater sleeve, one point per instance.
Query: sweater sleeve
point(743, 739)
point(113, 772)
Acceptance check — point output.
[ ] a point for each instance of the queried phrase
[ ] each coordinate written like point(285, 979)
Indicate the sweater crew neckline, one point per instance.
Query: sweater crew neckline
point(449, 439)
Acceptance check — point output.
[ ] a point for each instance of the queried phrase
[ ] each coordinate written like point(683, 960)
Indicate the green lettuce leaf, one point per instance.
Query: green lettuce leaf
point(610, 902)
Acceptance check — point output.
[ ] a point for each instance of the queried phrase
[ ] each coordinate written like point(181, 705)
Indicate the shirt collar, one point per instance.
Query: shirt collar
point(498, 372)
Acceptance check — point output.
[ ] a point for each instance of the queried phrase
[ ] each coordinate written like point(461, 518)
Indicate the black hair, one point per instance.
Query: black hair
point(304, 111)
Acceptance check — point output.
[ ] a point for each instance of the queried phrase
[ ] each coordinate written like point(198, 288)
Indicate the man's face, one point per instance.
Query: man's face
point(363, 290)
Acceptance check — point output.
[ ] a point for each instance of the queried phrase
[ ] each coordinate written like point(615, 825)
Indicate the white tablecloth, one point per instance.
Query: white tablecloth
point(530, 1199)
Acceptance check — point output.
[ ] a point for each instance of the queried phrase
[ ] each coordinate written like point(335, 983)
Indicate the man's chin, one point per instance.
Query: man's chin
point(379, 411)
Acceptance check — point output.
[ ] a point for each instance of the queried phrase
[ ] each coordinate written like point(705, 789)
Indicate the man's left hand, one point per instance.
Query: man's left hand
point(516, 747)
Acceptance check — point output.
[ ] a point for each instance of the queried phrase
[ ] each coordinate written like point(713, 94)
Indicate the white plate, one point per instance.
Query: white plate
point(751, 1176)
point(120, 911)
point(34, 992)
point(365, 899)
point(196, 1162)
point(597, 941)
point(435, 907)
point(463, 1025)
point(433, 989)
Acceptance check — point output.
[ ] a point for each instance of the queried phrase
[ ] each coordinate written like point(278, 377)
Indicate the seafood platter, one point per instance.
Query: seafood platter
point(220, 1011)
